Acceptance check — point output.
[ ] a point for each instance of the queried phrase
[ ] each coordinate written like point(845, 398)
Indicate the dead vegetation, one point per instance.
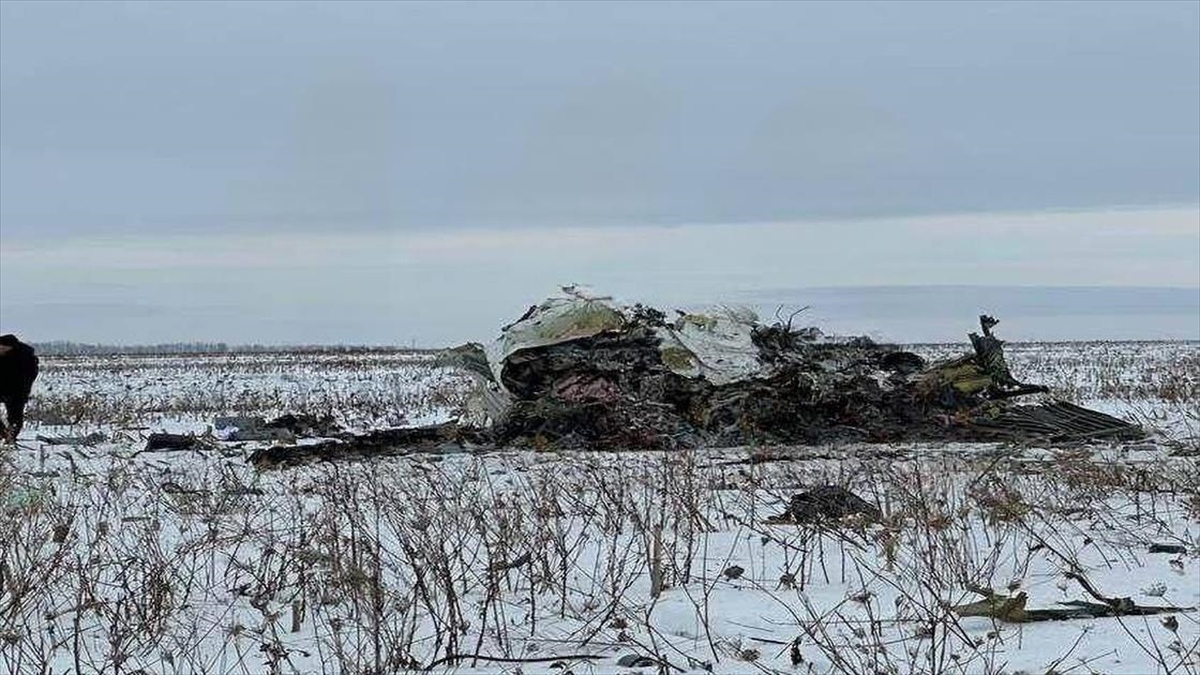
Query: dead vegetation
point(193, 562)
point(471, 560)
point(375, 389)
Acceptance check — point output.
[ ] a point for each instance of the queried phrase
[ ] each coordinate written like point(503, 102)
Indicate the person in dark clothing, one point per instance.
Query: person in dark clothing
point(18, 370)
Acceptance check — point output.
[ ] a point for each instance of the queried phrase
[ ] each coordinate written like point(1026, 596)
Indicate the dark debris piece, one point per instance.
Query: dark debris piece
point(171, 442)
point(637, 661)
point(306, 426)
point(827, 502)
point(1058, 421)
point(1167, 548)
point(447, 437)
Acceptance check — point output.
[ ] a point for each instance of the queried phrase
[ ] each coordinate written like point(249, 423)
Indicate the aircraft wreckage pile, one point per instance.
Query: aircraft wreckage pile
point(584, 372)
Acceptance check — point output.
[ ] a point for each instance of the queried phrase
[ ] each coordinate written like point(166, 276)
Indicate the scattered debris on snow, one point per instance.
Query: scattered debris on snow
point(94, 438)
point(585, 372)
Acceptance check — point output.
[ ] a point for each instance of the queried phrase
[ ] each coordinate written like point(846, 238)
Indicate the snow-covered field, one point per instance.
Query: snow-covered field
point(117, 560)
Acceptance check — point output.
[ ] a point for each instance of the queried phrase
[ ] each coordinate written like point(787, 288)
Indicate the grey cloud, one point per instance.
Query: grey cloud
point(147, 117)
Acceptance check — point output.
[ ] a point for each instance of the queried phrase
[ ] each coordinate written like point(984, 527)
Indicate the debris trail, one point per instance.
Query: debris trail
point(584, 372)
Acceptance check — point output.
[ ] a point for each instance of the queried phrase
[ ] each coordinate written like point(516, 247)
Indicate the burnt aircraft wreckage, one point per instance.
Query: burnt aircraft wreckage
point(585, 372)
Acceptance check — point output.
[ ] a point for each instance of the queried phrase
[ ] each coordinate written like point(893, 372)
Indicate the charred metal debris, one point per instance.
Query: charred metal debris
point(584, 372)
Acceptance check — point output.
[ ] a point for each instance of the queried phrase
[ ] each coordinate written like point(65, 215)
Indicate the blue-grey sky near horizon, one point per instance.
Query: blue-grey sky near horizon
point(389, 172)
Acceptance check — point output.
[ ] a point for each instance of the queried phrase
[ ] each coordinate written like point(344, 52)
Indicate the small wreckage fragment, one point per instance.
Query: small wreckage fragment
point(826, 502)
point(171, 442)
point(1012, 609)
point(94, 438)
point(285, 428)
point(580, 371)
point(448, 437)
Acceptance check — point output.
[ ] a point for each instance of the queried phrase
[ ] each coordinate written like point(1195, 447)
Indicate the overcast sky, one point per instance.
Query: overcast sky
point(148, 127)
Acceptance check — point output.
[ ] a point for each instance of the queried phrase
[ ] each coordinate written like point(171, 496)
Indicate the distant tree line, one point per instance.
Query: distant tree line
point(67, 348)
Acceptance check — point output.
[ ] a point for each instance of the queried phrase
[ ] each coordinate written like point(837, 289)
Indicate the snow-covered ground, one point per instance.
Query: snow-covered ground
point(113, 559)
